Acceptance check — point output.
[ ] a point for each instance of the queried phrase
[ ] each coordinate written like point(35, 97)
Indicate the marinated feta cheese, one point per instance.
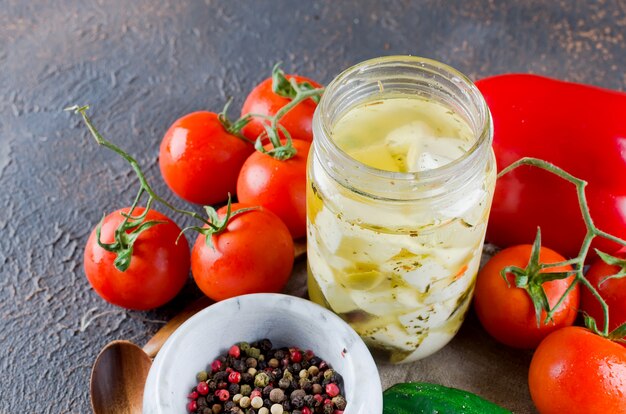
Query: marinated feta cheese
point(401, 273)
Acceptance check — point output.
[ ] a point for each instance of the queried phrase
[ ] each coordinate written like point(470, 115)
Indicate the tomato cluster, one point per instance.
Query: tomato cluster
point(567, 359)
point(245, 247)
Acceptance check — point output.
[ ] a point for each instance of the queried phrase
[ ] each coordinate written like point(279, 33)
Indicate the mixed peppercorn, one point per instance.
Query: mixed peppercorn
point(254, 378)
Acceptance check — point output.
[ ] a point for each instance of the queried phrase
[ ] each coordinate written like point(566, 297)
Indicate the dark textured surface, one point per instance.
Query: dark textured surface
point(141, 64)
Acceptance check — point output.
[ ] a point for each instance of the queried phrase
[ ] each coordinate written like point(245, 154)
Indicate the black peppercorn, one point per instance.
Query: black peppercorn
point(239, 365)
point(309, 401)
point(246, 378)
point(266, 391)
point(233, 389)
point(265, 345)
point(220, 376)
point(297, 402)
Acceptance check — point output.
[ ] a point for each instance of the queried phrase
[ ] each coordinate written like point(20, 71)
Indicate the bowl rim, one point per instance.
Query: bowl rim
point(372, 401)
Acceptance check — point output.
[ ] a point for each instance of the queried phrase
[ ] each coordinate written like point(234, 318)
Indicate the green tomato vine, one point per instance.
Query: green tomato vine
point(531, 272)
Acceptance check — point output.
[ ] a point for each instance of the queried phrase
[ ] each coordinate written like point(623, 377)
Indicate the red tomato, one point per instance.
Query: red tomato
point(158, 269)
point(613, 291)
point(263, 101)
point(574, 371)
point(200, 160)
point(507, 312)
point(254, 254)
point(279, 186)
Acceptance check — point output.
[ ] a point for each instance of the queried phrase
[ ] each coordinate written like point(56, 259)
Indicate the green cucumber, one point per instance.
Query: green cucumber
point(424, 398)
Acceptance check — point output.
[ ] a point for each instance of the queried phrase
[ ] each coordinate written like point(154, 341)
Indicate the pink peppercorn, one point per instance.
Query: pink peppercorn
point(223, 395)
point(332, 390)
point(318, 398)
point(255, 393)
point(327, 401)
point(203, 388)
point(234, 377)
point(234, 351)
point(306, 410)
point(296, 355)
point(193, 395)
point(216, 365)
point(192, 406)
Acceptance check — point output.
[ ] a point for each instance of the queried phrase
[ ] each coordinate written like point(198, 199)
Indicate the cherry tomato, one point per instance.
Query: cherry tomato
point(507, 312)
point(279, 186)
point(613, 291)
point(158, 269)
point(574, 371)
point(200, 159)
point(254, 254)
point(263, 101)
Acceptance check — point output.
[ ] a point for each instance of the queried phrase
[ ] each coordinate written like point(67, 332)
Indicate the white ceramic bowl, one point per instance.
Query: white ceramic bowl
point(286, 321)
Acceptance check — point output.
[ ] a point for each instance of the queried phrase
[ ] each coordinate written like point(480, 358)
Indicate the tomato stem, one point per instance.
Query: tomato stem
point(134, 164)
point(234, 128)
point(592, 233)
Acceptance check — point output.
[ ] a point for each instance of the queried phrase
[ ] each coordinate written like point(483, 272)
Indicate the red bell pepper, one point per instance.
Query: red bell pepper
point(579, 128)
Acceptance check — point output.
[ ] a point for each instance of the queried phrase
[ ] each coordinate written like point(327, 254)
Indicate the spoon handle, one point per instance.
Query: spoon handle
point(153, 346)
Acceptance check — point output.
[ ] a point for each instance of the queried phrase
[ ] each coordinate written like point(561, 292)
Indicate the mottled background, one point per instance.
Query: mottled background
point(142, 64)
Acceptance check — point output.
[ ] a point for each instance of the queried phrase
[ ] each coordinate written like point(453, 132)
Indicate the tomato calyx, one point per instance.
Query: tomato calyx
point(289, 88)
point(126, 234)
point(234, 127)
point(531, 279)
point(297, 93)
point(218, 225)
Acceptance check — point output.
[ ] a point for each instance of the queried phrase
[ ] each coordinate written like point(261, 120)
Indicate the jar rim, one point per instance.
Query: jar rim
point(427, 177)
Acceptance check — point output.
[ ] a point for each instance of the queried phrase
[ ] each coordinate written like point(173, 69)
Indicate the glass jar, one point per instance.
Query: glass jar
point(396, 253)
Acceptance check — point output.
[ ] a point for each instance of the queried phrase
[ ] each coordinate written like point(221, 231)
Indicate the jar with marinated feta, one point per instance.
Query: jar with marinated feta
point(400, 183)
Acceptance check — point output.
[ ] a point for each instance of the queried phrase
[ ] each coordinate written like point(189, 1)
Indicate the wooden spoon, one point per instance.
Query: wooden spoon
point(119, 374)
